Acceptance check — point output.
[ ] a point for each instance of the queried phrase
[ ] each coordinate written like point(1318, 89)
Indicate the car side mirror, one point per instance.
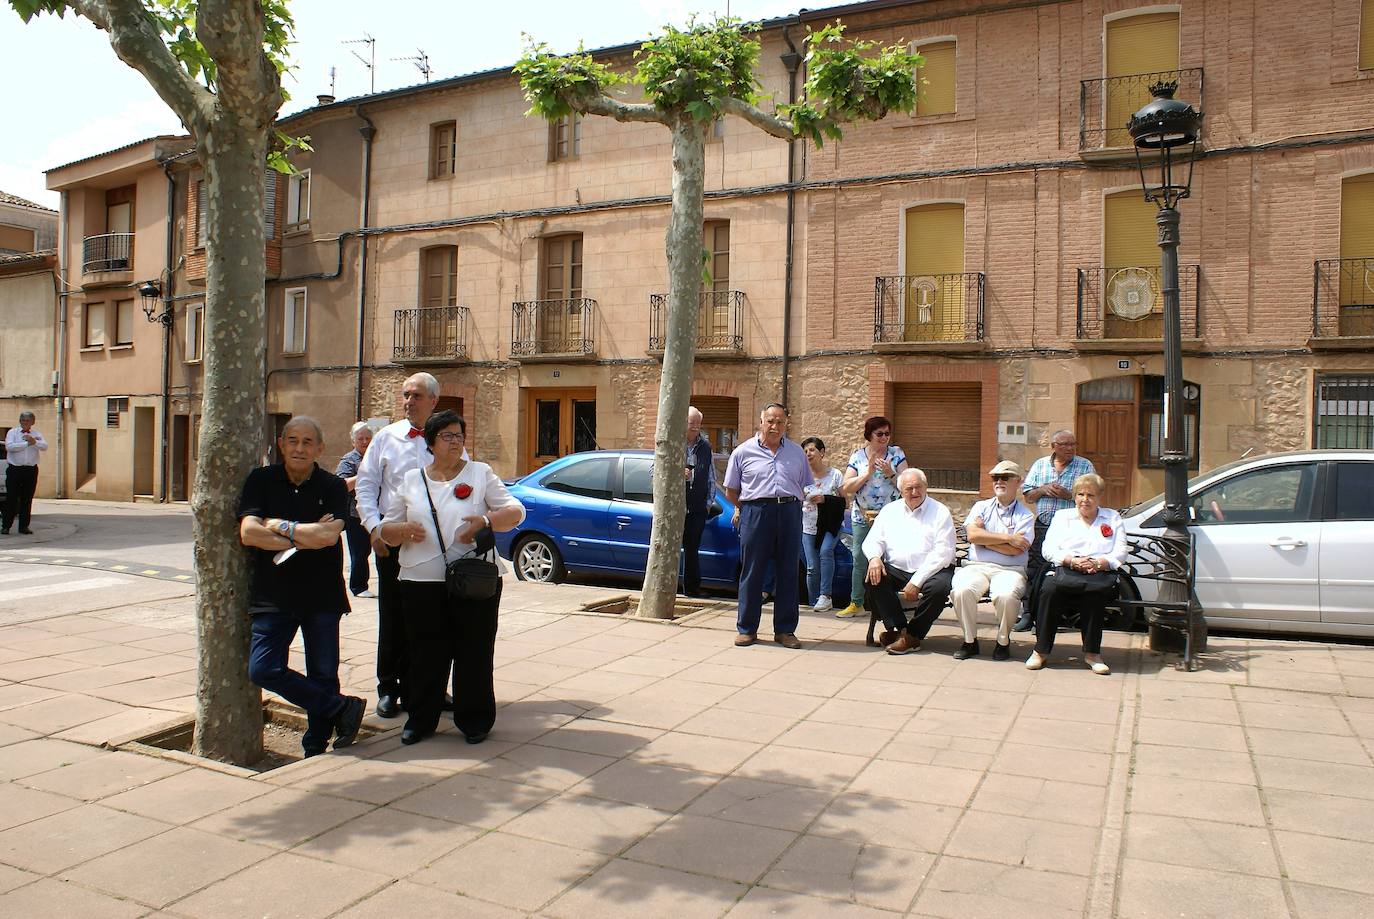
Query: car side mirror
point(715, 510)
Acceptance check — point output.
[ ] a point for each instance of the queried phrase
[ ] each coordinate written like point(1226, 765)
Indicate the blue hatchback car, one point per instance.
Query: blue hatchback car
point(591, 513)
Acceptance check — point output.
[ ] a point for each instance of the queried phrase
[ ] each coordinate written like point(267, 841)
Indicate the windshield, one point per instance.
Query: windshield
point(1139, 506)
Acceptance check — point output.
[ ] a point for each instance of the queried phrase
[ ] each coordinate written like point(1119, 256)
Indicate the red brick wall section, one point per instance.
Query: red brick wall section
point(729, 388)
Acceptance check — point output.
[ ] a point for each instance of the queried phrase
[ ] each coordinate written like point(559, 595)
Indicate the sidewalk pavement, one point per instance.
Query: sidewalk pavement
point(642, 768)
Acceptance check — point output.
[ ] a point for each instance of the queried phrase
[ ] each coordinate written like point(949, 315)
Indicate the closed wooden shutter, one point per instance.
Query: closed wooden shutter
point(1367, 34)
point(1136, 45)
point(1130, 236)
point(936, 425)
point(937, 75)
point(933, 299)
point(935, 239)
point(719, 421)
point(1357, 216)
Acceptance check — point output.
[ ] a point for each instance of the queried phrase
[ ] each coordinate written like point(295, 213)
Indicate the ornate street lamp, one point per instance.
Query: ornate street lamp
point(150, 293)
point(1166, 133)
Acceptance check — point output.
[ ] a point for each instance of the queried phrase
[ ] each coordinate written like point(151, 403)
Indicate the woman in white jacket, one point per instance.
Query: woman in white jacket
point(1085, 544)
point(446, 634)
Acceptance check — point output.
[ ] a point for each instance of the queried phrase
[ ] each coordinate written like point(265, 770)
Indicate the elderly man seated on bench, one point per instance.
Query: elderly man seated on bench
point(910, 552)
point(1000, 530)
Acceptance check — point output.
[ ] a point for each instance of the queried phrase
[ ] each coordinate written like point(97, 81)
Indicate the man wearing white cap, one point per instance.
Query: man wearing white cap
point(1000, 530)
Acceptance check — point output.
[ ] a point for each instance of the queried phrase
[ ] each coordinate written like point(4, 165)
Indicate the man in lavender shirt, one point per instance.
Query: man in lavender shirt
point(764, 480)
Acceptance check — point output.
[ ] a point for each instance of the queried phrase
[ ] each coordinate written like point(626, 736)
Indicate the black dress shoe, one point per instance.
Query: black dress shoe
point(1023, 624)
point(475, 738)
point(348, 722)
point(24, 531)
point(966, 650)
point(1002, 652)
point(413, 735)
point(448, 702)
point(388, 707)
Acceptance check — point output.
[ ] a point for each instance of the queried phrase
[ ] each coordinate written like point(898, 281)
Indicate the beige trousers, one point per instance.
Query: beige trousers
point(972, 580)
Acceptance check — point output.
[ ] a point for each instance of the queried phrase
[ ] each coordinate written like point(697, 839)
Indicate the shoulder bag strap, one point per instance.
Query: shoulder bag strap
point(438, 530)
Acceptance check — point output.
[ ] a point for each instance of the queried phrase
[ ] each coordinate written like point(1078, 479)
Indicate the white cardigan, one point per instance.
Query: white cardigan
point(1068, 535)
point(421, 561)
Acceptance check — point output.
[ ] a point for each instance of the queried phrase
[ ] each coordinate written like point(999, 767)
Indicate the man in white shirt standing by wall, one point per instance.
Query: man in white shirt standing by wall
point(396, 449)
point(22, 446)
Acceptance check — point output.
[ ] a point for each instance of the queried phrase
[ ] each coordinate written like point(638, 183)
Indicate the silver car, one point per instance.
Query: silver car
point(1285, 542)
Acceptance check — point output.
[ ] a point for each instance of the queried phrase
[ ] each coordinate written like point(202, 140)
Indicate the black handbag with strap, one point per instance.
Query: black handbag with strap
point(471, 577)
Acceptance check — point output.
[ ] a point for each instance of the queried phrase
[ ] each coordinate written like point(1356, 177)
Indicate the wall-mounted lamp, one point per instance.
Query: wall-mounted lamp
point(150, 293)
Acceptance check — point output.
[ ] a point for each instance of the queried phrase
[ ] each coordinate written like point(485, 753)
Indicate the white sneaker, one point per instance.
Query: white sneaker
point(366, 595)
point(823, 605)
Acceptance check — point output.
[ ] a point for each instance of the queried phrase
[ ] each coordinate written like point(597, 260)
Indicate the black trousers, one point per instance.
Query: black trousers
point(393, 657)
point(693, 526)
point(359, 548)
point(885, 599)
point(444, 635)
point(1036, 564)
point(1089, 594)
point(20, 484)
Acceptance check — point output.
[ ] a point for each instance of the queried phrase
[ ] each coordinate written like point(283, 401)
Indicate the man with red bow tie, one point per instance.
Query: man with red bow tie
point(398, 448)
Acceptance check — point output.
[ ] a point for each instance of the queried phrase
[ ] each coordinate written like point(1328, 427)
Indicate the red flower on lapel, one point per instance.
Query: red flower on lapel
point(1107, 530)
point(462, 490)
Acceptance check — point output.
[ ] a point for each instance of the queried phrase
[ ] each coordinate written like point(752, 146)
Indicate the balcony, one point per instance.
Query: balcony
point(1343, 303)
point(1106, 105)
point(431, 335)
point(107, 252)
point(933, 312)
point(720, 323)
point(553, 329)
point(1124, 308)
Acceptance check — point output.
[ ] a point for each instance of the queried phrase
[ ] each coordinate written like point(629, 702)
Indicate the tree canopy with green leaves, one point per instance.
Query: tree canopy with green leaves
point(217, 64)
point(688, 78)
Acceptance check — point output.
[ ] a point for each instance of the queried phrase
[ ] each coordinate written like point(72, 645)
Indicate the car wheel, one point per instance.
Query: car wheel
point(1122, 618)
point(538, 559)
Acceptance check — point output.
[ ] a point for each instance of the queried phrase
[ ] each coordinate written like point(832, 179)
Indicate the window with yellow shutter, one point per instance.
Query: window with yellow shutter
point(933, 300)
point(1140, 50)
point(936, 79)
point(1357, 255)
point(1367, 34)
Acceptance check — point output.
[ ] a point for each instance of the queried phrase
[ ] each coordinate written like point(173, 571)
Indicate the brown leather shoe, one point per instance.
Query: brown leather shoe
point(904, 644)
point(787, 640)
point(888, 637)
point(745, 639)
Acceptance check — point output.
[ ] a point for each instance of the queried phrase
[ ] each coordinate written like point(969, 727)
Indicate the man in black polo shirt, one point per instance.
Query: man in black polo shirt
point(291, 516)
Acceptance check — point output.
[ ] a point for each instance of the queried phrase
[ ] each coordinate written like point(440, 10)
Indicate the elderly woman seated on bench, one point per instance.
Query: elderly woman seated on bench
point(1086, 544)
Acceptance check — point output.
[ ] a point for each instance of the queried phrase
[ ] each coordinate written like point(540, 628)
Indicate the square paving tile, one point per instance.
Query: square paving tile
point(1294, 718)
point(30, 757)
point(735, 724)
point(1051, 763)
point(54, 843)
point(720, 848)
point(388, 841)
point(1322, 815)
point(942, 722)
point(20, 805)
point(759, 803)
point(1307, 775)
point(1220, 801)
point(1149, 890)
point(1200, 765)
point(167, 867)
point(696, 751)
point(914, 782)
point(476, 801)
point(604, 738)
point(1222, 846)
point(646, 784)
point(1327, 861)
point(851, 871)
point(282, 818)
point(286, 886)
point(1326, 902)
point(496, 867)
point(50, 899)
point(764, 903)
point(580, 822)
point(962, 889)
point(415, 901)
point(548, 767)
point(635, 890)
point(93, 779)
point(1192, 735)
point(887, 822)
point(1065, 735)
point(811, 768)
point(369, 781)
point(66, 711)
point(1025, 842)
point(1072, 708)
point(1327, 748)
point(1042, 799)
point(13, 879)
point(836, 738)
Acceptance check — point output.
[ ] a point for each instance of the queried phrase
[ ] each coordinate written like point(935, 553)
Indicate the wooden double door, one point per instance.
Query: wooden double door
point(557, 422)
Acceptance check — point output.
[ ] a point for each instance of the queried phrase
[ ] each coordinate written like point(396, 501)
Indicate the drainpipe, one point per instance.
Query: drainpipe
point(60, 384)
point(164, 461)
point(791, 59)
point(368, 132)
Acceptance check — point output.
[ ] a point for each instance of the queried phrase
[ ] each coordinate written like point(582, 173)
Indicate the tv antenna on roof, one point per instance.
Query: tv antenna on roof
point(421, 62)
point(370, 62)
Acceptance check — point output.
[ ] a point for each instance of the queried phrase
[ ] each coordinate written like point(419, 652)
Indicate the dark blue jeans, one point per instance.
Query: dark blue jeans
point(769, 532)
point(359, 549)
point(317, 691)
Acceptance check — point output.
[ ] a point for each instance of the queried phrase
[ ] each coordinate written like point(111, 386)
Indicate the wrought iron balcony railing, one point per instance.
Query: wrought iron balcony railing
point(1343, 297)
point(1106, 104)
point(437, 333)
point(929, 308)
point(108, 252)
point(541, 327)
point(1128, 303)
point(720, 322)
